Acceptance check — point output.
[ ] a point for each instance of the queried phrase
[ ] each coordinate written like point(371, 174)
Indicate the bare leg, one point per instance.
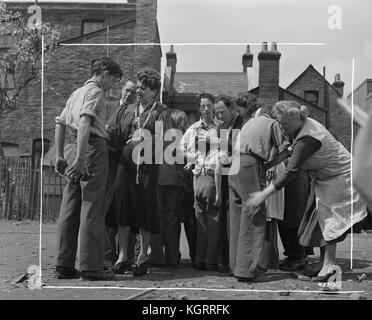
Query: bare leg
point(329, 258)
point(123, 236)
point(145, 244)
point(314, 268)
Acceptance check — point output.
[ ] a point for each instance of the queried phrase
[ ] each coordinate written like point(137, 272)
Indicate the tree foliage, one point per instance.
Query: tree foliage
point(23, 56)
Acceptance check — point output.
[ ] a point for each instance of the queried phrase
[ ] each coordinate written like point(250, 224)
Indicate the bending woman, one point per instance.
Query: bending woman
point(328, 217)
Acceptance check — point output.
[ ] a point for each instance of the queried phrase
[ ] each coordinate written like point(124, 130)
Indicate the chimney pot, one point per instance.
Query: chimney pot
point(247, 60)
point(337, 77)
point(264, 46)
point(273, 46)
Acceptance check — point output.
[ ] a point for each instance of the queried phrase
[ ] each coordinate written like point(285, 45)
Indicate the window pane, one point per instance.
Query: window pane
point(90, 26)
point(312, 96)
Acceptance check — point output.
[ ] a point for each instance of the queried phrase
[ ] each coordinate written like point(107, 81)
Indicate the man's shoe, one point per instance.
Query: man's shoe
point(96, 275)
point(223, 268)
point(245, 279)
point(66, 273)
point(211, 267)
point(199, 266)
point(292, 265)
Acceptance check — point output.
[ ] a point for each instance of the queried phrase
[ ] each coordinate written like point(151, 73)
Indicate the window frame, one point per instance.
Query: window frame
point(315, 92)
point(91, 21)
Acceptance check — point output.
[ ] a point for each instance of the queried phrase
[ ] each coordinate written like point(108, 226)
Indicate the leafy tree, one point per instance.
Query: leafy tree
point(20, 61)
point(20, 56)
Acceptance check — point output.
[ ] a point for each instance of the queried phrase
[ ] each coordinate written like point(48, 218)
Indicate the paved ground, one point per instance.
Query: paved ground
point(19, 248)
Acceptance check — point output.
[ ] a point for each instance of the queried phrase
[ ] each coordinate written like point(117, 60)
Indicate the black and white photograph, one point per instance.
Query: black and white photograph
point(195, 151)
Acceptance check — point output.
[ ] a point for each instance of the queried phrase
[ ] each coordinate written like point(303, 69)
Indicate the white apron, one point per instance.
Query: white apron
point(330, 167)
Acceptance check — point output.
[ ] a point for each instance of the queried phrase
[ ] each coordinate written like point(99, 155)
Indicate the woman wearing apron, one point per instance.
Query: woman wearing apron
point(329, 213)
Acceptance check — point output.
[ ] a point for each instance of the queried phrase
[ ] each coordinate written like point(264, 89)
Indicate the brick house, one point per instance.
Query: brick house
point(310, 88)
point(363, 95)
point(81, 23)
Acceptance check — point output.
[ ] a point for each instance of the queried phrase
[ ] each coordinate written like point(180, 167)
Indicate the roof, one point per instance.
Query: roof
point(366, 81)
point(304, 72)
point(215, 83)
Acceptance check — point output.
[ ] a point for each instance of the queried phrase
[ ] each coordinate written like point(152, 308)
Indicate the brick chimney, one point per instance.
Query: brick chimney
point(339, 85)
point(170, 71)
point(247, 59)
point(268, 78)
point(146, 32)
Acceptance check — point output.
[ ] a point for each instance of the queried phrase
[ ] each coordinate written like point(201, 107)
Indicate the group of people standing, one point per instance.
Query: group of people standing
point(236, 158)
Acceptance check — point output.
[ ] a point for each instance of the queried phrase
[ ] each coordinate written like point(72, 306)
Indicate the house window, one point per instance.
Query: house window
point(312, 96)
point(92, 25)
point(7, 81)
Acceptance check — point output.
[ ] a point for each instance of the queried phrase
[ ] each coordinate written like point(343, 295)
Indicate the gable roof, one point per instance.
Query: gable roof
point(310, 67)
point(215, 83)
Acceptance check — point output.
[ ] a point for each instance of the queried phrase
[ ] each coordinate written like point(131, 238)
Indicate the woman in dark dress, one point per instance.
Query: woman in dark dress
point(134, 203)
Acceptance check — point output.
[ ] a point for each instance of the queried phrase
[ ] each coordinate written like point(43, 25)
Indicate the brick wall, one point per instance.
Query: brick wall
point(339, 124)
point(269, 77)
point(316, 113)
point(70, 16)
point(71, 68)
point(146, 32)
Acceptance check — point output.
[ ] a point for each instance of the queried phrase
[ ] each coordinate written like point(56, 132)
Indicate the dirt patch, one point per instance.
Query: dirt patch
point(19, 248)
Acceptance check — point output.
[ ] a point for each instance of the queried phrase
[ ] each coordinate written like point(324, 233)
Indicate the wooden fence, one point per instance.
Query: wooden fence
point(20, 190)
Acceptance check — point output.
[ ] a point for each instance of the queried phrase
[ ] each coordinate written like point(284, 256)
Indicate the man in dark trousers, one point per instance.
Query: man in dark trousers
point(82, 213)
point(225, 111)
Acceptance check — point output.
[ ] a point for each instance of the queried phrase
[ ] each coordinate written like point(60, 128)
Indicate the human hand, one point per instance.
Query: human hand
point(77, 169)
point(61, 165)
point(255, 199)
point(207, 138)
point(218, 201)
point(188, 166)
point(271, 174)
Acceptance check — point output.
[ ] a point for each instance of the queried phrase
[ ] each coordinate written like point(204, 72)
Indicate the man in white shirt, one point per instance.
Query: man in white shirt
point(200, 144)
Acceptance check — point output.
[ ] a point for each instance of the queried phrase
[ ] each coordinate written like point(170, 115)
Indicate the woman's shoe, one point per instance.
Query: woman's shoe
point(121, 267)
point(141, 269)
point(324, 278)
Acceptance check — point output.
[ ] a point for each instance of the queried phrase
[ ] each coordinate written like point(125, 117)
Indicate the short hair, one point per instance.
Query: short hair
point(204, 95)
point(150, 78)
point(248, 101)
point(291, 108)
point(106, 64)
point(227, 100)
point(126, 81)
point(180, 120)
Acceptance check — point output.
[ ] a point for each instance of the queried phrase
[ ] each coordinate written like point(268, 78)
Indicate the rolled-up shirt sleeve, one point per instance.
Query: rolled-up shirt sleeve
point(92, 104)
point(303, 149)
point(61, 119)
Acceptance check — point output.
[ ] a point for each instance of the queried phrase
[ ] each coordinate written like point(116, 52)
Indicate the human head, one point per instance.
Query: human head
point(128, 92)
point(224, 109)
point(180, 120)
point(290, 116)
point(106, 71)
point(246, 104)
point(148, 85)
point(205, 103)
